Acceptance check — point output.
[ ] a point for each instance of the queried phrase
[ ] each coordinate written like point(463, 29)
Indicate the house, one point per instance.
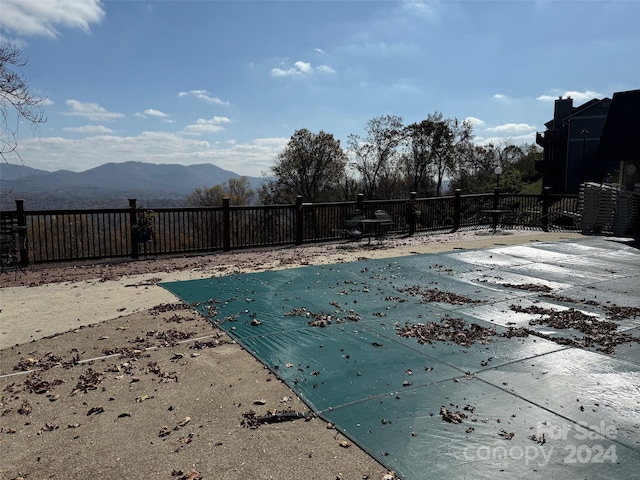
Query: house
point(619, 148)
point(570, 144)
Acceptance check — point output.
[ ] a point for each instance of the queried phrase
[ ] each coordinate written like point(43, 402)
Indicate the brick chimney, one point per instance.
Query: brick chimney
point(563, 108)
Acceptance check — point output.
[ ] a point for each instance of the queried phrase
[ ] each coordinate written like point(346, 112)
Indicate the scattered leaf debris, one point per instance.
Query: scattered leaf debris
point(599, 333)
point(95, 410)
point(252, 420)
point(435, 295)
point(505, 434)
point(530, 287)
point(448, 329)
point(450, 416)
point(322, 319)
point(89, 380)
point(188, 475)
point(538, 438)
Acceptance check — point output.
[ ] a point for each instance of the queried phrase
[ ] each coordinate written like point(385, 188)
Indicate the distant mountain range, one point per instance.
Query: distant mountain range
point(109, 185)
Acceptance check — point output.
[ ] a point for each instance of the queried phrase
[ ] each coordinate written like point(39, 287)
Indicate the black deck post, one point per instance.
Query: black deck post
point(457, 209)
point(133, 219)
point(411, 213)
point(360, 202)
point(226, 224)
point(299, 221)
point(496, 205)
point(23, 259)
point(546, 203)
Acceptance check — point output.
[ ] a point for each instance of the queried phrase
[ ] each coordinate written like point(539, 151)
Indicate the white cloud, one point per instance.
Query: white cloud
point(511, 139)
point(578, 96)
point(325, 69)
point(152, 112)
point(304, 67)
point(319, 50)
point(91, 111)
point(583, 96)
point(90, 129)
point(418, 8)
point(213, 125)
point(55, 153)
point(300, 69)
point(252, 158)
point(279, 72)
point(476, 122)
point(46, 17)
point(518, 128)
point(203, 95)
point(499, 96)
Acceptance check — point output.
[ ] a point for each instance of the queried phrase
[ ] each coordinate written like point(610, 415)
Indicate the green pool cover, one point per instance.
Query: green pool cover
point(494, 363)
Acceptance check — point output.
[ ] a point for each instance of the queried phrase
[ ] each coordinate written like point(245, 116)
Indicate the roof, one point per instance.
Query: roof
point(620, 140)
point(577, 111)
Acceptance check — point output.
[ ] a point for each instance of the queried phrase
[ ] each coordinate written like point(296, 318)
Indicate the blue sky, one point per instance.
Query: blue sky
point(229, 82)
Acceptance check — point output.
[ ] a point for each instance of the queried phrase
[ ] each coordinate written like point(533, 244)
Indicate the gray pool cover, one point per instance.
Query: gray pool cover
point(493, 363)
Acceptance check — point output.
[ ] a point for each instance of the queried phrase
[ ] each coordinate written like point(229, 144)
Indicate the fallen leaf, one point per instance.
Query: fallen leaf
point(507, 435)
point(452, 417)
point(95, 410)
point(182, 422)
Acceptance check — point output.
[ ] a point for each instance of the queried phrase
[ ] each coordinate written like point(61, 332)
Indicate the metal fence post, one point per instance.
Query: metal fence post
point(299, 221)
point(546, 203)
point(360, 202)
point(496, 205)
point(411, 212)
point(133, 219)
point(226, 224)
point(23, 259)
point(457, 209)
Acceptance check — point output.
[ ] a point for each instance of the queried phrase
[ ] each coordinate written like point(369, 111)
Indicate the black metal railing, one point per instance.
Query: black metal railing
point(75, 235)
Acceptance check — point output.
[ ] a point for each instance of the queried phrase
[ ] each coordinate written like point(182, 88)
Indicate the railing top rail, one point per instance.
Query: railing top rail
point(180, 209)
point(76, 211)
point(330, 204)
point(433, 199)
point(263, 207)
point(475, 195)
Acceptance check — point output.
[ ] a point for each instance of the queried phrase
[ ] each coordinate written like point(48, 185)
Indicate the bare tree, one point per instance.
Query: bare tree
point(312, 165)
point(15, 99)
point(238, 190)
point(423, 142)
point(456, 141)
point(476, 168)
point(375, 155)
point(481, 158)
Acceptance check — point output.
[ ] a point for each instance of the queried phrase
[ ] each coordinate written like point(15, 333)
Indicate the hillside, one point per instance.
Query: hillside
point(109, 185)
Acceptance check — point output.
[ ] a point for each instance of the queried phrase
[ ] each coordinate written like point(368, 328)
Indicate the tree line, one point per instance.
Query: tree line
point(431, 157)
